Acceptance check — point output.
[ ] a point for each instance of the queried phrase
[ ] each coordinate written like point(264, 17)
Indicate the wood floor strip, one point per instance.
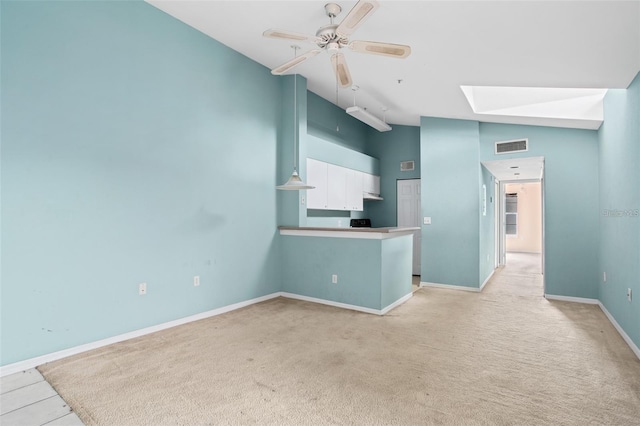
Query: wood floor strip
point(27, 395)
point(19, 380)
point(37, 414)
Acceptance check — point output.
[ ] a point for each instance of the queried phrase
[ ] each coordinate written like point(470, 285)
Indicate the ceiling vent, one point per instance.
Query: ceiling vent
point(507, 147)
point(407, 166)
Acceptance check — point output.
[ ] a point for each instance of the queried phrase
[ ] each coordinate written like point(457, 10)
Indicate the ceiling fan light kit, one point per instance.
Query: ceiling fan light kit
point(368, 118)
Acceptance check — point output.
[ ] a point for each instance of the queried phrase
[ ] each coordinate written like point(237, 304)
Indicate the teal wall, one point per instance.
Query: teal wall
point(329, 122)
point(487, 225)
point(619, 149)
point(571, 200)
point(380, 274)
point(402, 143)
point(127, 156)
point(450, 170)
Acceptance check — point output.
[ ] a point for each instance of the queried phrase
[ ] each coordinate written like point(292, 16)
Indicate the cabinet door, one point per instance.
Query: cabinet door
point(354, 190)
point(376, 185)
point(317, 176)
point(371, 183)
point(337, 187)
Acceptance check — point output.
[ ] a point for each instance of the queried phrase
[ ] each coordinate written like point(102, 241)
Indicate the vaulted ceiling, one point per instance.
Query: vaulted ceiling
point(540, 44)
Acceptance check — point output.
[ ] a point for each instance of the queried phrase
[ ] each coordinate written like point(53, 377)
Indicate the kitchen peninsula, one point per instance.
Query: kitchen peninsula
point(366, 269)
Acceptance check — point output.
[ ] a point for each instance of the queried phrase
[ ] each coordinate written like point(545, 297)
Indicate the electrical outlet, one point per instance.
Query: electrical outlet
point(334, 279)
point(196, 281)
point(629, 294)
point(142, 289)
point(302, 200)
point(339, 224)
point(427, 221)
point(604, 277)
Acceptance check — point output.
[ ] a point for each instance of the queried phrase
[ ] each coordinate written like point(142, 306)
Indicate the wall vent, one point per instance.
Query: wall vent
point(407, 166)
point(507, 147)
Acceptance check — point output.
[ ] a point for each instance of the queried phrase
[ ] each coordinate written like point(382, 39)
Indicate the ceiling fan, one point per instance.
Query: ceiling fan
point(335, 37)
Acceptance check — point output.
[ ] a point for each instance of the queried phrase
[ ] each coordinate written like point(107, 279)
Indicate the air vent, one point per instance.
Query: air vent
point(507, 147)
point(407, 166)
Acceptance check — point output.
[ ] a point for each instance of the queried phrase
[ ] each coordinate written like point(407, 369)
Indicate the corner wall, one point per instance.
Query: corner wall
point(450, 168)
point(571, 200)
point(128, 157)
point(619, 149)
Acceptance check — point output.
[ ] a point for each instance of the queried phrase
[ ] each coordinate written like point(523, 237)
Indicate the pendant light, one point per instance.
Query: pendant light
point(295, 183)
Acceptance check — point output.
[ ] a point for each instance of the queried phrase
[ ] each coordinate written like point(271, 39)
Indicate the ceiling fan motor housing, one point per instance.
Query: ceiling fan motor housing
point(328, 36)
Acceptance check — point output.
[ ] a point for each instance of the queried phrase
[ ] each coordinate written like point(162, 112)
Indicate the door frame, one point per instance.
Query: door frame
point(501, 241)
point(419, 258)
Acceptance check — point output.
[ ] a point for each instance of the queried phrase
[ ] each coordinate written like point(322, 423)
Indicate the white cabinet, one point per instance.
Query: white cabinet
point(354, 190)
point(371, 183)
point(337, 195)
point(317, 176)
point(336, 188)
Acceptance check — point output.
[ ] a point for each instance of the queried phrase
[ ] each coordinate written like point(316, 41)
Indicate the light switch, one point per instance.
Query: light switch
point(427, 221)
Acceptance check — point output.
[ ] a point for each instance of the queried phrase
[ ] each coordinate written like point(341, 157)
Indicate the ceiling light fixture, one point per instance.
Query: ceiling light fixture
point(295, 183)
point(365, 116)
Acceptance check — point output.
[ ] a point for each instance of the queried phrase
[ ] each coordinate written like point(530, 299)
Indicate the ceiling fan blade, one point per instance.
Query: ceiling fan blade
point(340, 68)
point(360, 12)
point(295, 61)
point(377, 48)
point(289, 35)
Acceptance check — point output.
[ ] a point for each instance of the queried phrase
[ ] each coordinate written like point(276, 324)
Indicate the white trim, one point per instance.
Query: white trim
point(347, 306)
point(34, 362)
point(571, 299)
point(363, 235)
point(331, 303)
point(487, 280)
point(625, 336)
point(397, 303)
point(450, 287)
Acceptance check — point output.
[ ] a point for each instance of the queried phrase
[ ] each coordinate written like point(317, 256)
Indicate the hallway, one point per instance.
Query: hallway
point(521, 276)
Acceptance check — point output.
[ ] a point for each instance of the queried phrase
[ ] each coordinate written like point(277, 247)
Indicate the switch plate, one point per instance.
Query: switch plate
point(196, 280)
point(604, 277)
point(629, 294)
point(427, 220)
point(334, 279)
point(142, 289)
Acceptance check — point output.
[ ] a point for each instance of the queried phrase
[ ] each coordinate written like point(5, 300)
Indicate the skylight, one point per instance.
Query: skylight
point(537, 102)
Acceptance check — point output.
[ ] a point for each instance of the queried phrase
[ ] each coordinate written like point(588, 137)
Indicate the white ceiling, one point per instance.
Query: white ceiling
point(528, 168)
point(552, 44)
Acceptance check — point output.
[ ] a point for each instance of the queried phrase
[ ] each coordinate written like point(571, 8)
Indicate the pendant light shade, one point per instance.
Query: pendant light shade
point(295, 183)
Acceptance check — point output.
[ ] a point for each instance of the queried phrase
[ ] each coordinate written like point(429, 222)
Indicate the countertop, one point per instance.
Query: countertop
point(358, 233)
point(384, 230)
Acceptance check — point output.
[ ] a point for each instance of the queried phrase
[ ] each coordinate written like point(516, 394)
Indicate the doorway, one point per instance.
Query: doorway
point(521, 219)
point(408, 213)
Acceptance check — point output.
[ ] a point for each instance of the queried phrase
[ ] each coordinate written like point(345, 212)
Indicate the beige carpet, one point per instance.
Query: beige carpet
point(505, 356)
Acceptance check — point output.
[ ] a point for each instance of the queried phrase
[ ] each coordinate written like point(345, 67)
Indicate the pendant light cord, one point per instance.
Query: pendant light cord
point(295, 118)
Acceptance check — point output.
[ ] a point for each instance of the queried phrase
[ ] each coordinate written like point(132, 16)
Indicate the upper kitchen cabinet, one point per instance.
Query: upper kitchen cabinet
point(337, 188)
point(371, 184)
point(317, 174)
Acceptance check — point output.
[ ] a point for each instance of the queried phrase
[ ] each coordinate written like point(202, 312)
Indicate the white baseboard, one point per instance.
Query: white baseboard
point(487, 280)
point(34, 362)
point(571, 299)
point(331, 303)
point(624, 335)
point(450, 287)
point(396, 303)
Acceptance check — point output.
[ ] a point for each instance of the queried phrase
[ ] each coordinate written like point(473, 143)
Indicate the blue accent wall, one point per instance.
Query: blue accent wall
point(619, 149)
point(329, 122)
point(402, 143)
point(487, 225)
point(450, 169)
point(571, 200)
point(129, 154)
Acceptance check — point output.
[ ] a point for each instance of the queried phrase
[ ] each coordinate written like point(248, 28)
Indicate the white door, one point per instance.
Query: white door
point(409, 214)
